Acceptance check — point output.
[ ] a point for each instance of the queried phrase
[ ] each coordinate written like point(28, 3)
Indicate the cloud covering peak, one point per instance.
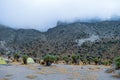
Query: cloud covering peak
point(44, 14)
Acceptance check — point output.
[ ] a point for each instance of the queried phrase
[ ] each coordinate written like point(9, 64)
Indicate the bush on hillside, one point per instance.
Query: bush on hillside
point(96, 60)
point(24, 59)
point(66, 59)
point(16, 56)
point(117, 62)
point(49, 59)
point(76, 59)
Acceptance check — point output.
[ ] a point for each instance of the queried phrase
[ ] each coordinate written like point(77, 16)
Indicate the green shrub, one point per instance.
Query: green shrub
point(76, 59)
point(109, 70)
point(49, 59)
point(16, 56)
point(117, 62)
point(25, 59)
point(57, 58)
point(96, 60)
point(85, 61)
point(66, 58)
point(106, 63)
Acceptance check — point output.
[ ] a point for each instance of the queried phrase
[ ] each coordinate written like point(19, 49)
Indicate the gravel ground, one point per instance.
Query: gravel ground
point(16, 71)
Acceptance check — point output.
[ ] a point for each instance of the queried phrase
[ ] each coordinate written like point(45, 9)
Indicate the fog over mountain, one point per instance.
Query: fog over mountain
point(44, 14)
point(91, 38)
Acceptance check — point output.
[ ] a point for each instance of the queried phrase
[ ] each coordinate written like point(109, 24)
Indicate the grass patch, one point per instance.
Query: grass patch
point(41, 72)
point(31, 76)
point(8, 75)
point(88, 77)
point(116, 76)
point(109, 70)
point(5, 79)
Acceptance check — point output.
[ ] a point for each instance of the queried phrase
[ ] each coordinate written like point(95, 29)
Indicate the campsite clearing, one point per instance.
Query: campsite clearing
point(54, 72)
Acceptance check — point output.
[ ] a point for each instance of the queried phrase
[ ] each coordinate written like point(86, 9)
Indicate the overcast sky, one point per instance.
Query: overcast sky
point(43, 14)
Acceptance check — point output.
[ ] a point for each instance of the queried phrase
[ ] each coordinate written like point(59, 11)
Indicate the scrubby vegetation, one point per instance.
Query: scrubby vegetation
point(16, 56)
point(117, 62)
point(63, 42)
point(76, 59)
point(49, 59)
point(24, 59)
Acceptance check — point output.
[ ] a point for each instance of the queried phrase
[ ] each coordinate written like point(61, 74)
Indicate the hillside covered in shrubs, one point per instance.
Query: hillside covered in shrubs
point(97, 42)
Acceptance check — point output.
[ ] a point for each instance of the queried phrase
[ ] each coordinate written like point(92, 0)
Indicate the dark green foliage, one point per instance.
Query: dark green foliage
point(66, 58)
point(109, 70)
point(76, 59)
point(96, 60)
point(49, 59)
point(17, 56)
point(117, 62)
point(106, 63)
point(25, 59)
point(57, 58)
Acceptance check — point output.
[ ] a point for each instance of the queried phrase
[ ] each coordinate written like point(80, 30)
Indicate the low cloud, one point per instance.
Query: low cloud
point(44, 14)
point(91, 39)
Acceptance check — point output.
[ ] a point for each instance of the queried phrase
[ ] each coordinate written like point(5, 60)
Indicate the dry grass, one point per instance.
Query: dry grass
point(74, 69)
point(83, 77)
point(31, 76)
point(116, 76)
point(91, 68)
point(8, 75)
point(89, 77)
point(46, 71)
point(52, 70)
point(32, 68)
point(53, 66)
point(97, 67)
point(109, 70)
point(40, 72)
point(76, 74)
point(43, 71)
point(94, 68)
point(5, 79)
point(72, 78)
point(62, 70)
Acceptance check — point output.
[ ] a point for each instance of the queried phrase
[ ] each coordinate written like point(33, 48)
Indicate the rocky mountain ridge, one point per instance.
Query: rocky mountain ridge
point(62, 39)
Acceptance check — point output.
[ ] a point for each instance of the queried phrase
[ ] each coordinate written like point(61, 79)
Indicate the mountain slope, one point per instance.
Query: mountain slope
point(77, 37)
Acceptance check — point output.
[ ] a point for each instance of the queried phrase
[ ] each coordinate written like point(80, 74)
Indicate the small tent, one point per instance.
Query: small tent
point(30, 60)
point(2, 60)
